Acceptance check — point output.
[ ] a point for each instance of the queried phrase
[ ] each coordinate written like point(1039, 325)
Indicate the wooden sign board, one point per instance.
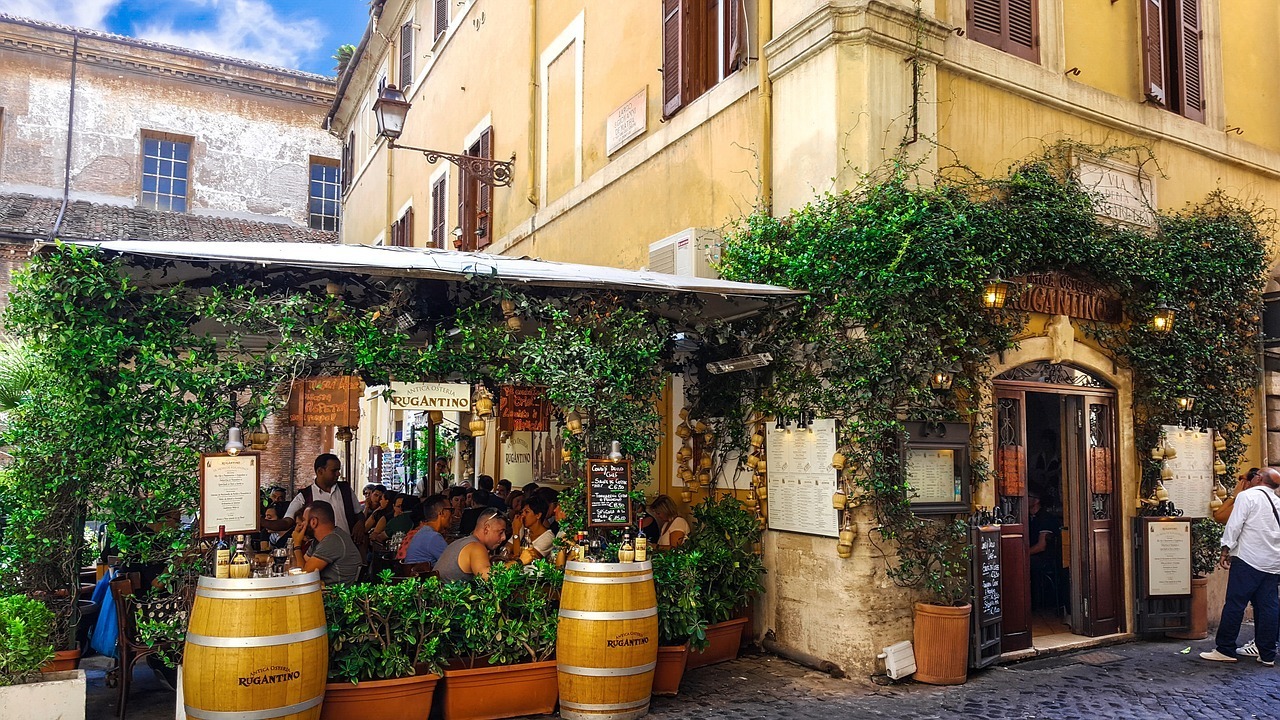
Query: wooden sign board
point(1167, 545)
point(609, 493)
point(988, 606)
point(229, 494)
point(523, 408)
point(1060, 294)
point(326, 402)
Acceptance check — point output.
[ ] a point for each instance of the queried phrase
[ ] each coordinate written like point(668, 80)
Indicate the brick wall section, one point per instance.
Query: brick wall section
point(290, 466)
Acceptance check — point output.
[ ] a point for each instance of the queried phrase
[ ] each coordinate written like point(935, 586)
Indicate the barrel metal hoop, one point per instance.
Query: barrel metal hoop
point(590, 568)
point(257, 640)
point(267, 714)
point(608, 615)
point(623, 580)
point(311, 578)
point(217, 594)
point(608, 672)
point(606, 706)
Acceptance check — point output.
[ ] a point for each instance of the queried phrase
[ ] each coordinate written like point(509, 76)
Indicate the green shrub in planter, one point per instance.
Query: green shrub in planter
point(26, 638)
point(1206, 546)
point(728, 569)
point(385, 630)
point(680, 620)
point(508, 619)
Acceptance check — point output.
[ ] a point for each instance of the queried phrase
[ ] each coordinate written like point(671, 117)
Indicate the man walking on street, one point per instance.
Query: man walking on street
point(1251, 551)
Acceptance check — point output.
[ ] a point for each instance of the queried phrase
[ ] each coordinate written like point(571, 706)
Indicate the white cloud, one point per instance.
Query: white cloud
point(248, 29)
point(80, 13)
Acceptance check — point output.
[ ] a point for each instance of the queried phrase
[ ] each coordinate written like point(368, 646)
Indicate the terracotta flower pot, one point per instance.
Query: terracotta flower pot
point(941, 641)
point(723, 641)
point(670, 669)
point(503, 691)
point(1199, 612)
point(62, 661)
point(407, 698)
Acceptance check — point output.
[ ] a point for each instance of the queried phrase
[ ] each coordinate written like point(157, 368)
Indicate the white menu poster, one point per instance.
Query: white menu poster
point(932, 476)
point(1169, 558)
point(801, 479)
point(1192, 483)
point(229, 494)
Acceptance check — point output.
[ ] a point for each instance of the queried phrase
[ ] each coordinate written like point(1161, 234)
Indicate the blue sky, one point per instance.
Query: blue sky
point(298, 34)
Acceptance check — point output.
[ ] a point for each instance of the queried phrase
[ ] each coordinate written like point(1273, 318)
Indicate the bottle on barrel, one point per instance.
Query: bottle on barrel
point(626, 551)
point(222, 555)
point(240, 560)
point(642, 546)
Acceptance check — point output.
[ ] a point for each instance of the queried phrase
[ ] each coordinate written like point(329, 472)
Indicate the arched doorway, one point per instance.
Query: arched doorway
point(1057, 489)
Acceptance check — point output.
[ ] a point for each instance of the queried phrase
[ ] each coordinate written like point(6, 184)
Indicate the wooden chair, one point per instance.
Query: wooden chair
point(130, 649)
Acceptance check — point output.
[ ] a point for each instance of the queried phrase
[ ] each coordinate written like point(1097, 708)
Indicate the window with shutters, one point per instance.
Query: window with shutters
point(439, 211)
point(348, 161)
point(406, 56)
point(703, 42)
point(402, 230)
point(1009, 25)
point(475, 200)
point(442, 18)
point(1172, 58)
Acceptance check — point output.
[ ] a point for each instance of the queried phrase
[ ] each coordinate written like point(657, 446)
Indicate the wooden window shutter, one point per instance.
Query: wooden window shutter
point(442, 18)
point(484, 216)
point(406, 57)
point(1022, 25)
point(437, 214)
point(673, 69)
point(735, 45)
point(406, 231)
point(1190, 63)
point(466, 212)
point(1154, 78)
point(348, 161)
point(986, 22)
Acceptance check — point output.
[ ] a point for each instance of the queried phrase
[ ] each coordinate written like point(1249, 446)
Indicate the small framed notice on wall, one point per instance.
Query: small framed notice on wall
point(229, 493)
point(936, 465)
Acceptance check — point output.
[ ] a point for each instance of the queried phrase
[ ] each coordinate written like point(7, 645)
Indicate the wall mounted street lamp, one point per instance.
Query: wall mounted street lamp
point(994, 293)
point(391, 108)
point(942, 380)
point(1186, 404)
point(1162, 321)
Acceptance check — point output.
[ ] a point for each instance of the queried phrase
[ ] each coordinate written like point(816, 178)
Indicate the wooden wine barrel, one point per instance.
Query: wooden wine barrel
point(257, 649)
point(607, 644)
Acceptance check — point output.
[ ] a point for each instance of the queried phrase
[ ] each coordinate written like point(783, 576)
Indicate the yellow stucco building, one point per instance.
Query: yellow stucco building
point(640, 127)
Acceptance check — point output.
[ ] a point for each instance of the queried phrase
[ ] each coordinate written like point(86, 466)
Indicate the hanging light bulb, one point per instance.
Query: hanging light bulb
point(615, 453)
point(234, 445)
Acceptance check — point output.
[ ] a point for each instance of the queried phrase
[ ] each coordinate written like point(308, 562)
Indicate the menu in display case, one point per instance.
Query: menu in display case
point(932, 475)
point(935, 459)
point(801, 479)
point(1192, 485)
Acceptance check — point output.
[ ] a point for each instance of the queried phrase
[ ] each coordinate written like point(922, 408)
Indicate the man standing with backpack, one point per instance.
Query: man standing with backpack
point(328, 488)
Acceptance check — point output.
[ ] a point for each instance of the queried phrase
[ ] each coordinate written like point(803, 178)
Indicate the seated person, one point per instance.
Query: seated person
point(535, 518)
point(403, 518)
point(484, 495)
point(553, 506)
point(515, 503)
point(468, 557)
point(333, 553)
point(273, 539)
point(672, 529)
point(428, 543)
point(376, 524)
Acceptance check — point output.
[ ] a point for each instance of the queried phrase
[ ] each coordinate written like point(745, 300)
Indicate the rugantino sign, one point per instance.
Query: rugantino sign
point(1059, 294)
point(630, 639)
point(269, 676)
point(431, 396)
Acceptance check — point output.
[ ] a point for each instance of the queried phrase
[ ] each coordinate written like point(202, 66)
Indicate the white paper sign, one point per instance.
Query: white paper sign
point(1192, 483)
point(431, 396)
point(1169, 558)
point(932, 476)
point(802, 481)
point(517, 459)
point(229, 494)
point(627, 122)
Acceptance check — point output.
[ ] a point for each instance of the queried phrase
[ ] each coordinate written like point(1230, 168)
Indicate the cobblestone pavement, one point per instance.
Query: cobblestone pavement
point(1147, 680)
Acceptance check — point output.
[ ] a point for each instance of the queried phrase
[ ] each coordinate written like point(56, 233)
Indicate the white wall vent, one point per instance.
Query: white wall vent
point(690, 252)
point(899, 660)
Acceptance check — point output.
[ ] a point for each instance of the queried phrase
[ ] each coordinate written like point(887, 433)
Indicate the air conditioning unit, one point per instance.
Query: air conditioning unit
point(690, 252)
point(899, 660)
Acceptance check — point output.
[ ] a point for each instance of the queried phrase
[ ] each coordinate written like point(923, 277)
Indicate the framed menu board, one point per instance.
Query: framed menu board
point(1167, 556)
point(1192, 483)
point(936, 464)
point(229, 493)
point(988, 610)
point(608, 493)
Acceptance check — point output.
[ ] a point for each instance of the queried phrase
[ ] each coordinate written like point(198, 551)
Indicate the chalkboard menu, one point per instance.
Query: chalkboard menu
point(608, 493)
point(987, 613)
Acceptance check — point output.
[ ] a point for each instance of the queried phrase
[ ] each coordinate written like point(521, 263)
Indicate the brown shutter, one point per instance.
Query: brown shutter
point(484, 217)
point(406, 231)
point(437, 214)
point(348, 160)
point(1022, 33)
point(442, 18)
point(673, 69)
point(406, 57)
point(1191, 85)
point(986, 22)
point(466, 212)
point(1153, 70)
point(735, 44)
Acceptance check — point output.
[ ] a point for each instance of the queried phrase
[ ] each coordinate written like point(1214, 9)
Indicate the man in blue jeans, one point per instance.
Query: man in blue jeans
point(1251, 550)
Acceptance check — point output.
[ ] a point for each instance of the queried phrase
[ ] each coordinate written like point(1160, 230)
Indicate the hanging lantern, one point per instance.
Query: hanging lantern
point(477, 427)
point(573, 421)
point(838, 460)
point(615, 451)
point(994, 293)
point(942, 380)
point(1162, 320)
point(1186, 404)
point(234, 444)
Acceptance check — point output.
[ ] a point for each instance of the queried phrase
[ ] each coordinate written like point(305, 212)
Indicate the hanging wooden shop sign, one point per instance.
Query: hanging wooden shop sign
point(1056, 293)
point(523, 408)
point(326, 402)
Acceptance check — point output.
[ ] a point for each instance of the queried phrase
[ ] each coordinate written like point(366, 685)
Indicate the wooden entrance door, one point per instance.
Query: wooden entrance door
point(1091, 473)
point(1011, 497)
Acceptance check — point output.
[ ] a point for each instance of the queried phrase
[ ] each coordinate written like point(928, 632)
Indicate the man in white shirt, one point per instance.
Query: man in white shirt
point(326, 488)
point(1251, 551)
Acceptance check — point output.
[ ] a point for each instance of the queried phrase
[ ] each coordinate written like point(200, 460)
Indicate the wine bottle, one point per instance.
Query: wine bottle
point(240, 560)
point(642, 546)
point(626, 551)
point(222, 555)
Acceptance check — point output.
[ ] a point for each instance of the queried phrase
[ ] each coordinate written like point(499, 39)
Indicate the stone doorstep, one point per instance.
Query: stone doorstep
point(1083, 643)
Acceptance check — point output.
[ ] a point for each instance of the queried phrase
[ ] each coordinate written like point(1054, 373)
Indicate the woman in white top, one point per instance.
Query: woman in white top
point(533, 517)
point(674, 528)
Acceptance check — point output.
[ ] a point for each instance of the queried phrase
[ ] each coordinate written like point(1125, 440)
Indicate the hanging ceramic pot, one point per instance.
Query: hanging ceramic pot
point(484, 404)
point(753, 461)
point(757, 440)
point(762, 492)
point(762, 466)
point(838, 461)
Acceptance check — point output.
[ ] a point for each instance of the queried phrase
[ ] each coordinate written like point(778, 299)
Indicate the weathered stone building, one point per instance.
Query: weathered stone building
point(114, 138)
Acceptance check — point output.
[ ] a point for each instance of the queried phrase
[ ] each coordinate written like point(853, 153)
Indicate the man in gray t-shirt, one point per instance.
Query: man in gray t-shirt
point(332, 552)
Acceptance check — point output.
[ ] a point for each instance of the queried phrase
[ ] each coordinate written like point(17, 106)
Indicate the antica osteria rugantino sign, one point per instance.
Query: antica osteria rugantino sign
point(1056, 293)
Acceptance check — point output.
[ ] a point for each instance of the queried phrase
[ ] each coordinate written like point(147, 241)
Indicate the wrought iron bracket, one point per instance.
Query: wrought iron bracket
point(494, 173)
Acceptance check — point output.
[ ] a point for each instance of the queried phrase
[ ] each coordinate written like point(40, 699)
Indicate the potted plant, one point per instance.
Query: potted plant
point(1206, 542)
point(385, 648)
point(503, 640)
point(681, 625)
point(26, 644)
point(728, 572)
point(937, 560)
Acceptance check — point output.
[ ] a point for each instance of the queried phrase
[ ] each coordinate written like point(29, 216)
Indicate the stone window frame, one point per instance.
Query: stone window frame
point(188, 180)
point(333, 187)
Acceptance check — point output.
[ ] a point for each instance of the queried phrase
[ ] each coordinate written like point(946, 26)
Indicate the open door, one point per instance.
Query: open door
point(1101, 537)
point(1011, 492)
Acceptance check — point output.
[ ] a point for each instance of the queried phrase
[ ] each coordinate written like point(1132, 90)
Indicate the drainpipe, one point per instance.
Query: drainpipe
point(764, 20)
point(71, 122)
point(532, 195)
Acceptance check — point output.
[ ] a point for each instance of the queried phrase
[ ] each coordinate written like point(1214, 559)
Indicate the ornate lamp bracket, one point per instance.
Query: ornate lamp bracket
point(494, 173)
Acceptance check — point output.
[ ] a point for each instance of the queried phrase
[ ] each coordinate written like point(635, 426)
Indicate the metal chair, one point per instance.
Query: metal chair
point(129, 648)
